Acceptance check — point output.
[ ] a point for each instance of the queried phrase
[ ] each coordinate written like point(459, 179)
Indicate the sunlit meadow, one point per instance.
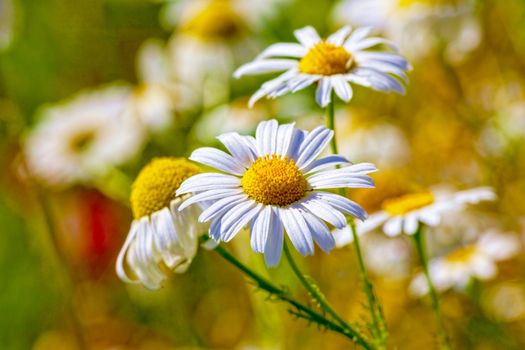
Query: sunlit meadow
point(280, 174)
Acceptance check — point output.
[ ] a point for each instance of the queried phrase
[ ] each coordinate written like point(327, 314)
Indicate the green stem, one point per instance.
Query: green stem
point(379, 329)
point(378, 320)
point(281, 294)
point(419, 241)
point(312, 289)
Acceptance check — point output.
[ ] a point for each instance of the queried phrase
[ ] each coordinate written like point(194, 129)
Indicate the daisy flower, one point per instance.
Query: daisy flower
point(403, 214)
point(334, 63)
point(161, 235)
point(274, 183)
point(418, 26)
point(476, 260)
point(78, 140)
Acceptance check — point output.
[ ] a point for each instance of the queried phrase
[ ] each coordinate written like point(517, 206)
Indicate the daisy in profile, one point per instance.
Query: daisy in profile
point(333, 64)
point(161, 236)
point(275, 183)
point(78, 140)
point(404, 213)
point(476, 260)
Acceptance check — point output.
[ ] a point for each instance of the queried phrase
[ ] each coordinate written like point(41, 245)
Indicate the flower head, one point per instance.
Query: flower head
point(274, 183)
point(403, 214)
point(160, 235)
point(80, 139)
point(475, 260)
point(333, 63)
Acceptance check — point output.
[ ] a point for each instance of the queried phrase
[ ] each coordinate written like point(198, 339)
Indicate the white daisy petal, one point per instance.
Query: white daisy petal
point(342, 88)
point(274, 244)
point(302, 81)
point(217, 159)
point(369, 42)
point(410, 224)
point(284, 137)
point(208, 181)
point(378, 80)
point(307, 36)
point(342, 204)
point(209, 195)
point(338, 38)
point(266, 137)
point(297, 230)
point(356, 36)
point(372, 222)
point(320, 232)
point(313, 144)
point(222, 206)
point(238, 217)
point(386, 57)
point(260, 229)
point(264, 66)
point(120, 265)
point(323, 95)
point(283, 50)
point(324, 211)
point(339, 178)
point(393, 226)
point(324, 163)
point(239, 147)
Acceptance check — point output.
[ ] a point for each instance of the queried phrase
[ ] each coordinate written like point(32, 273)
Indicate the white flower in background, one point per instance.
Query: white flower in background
point(210, 36)
point(83, 138)
point(418, 26)
point(476, 260)
point(233, 116)
point(158, 96)
point(7, 22)
point(273, 183)
point(334, 63)
point(403, 214)
point(161, 235)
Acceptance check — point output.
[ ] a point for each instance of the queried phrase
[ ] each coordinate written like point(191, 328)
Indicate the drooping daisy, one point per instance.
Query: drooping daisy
point(475, 260)
point(78, 140)
point(419, 26)
point(273, 183)
point(334, 63)
point(161, 235)
point(403, 214)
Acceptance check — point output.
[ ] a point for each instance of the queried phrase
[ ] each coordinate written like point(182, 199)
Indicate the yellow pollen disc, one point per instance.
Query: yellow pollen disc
point(326, 59)
point(217, 21)
point(407, 3)
point(274, 180)
point(81, 141)
point(408, 203)
point(155, 186)
point(461, 255)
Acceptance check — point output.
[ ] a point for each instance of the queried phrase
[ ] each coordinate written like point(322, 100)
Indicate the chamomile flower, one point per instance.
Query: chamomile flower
point(404, 213)
point(161, 235)
point(334, 63)
point(78, 140)
point(419, 27)
point(475, 260)
point(273, 183)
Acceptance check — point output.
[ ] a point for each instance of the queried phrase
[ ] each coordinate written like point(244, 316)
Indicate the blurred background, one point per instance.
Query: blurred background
point(162, 70)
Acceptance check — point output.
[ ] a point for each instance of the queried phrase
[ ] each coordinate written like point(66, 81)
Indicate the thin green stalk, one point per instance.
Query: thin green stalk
point(419, 241)
point(312, 289)
point(303, 311)
point(378, 320)
point(379, 330)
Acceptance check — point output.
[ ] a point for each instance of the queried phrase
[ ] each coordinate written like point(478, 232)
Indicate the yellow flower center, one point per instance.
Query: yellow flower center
point(274, 180)
point(407, 3)
point(81, 141)
point(215, 22)
point(155, 186)
point(326, 59)
point(461, 255)
point(408, 203)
